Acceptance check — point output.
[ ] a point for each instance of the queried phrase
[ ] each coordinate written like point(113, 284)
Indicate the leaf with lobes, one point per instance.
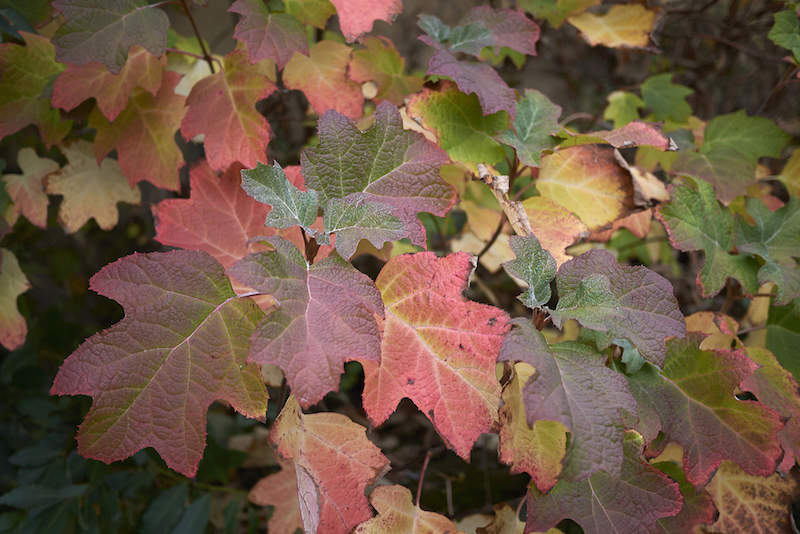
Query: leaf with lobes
point(27, 73)
point(534, 266)
point(290, 205)
point(27, 189)
point(380, 62)
point(356, 217)
point(775, 237)
point(624, 301)
point(460, 125)
point(143, 135)
point(313, 12)
point(389, 165)
point(397, 514)
point(104, 31)
point(222, 108)
point(536, 449)
point(438, 348)
point(606, 503)
point(90, 190)
point(623, 107)
point(573, 386)
point(633, 134)
point(622, 26)
point(698, 508)
point(785, 31)
point(694, 220)
point(588, 181)
point(322, 76)
point(357, 16)
point(693, 398)
point(554, 226)
point(13, 283)
point(111, 91)
point(280, 491)
point(274, 36)
point(326, 314)
point(181, 345)
point(667, 100)
point(334, 462)
point(534, 127)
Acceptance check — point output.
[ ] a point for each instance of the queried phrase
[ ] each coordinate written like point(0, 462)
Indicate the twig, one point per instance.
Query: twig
point(206, 55)
point(422, 475)
point(494, 237)
point(190, 54)
point(787, 78)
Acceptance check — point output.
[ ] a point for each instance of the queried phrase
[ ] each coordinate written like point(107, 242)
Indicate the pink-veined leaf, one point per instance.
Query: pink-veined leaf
point(181, 345)
point(222, 108)
point(111, 91)
point(326, 314)
point(13, 283)
point(358, 16)
point(143, 134)
point(274, 36)
point(334, 462)
point(438, 348)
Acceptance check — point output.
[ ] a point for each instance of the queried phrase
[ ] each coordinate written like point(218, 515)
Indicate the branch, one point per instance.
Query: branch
point(206, 55)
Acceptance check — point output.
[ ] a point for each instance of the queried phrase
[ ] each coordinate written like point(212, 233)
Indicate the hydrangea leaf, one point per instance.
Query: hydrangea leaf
point(783, 335)
point(90, 190)
point(273, 36)
point(622, 26)
point(358, 16)
point(667, 100)
point(534, 125)
point(481, 79)
point(460, 125)
point(556, 11)
point(699, 386)
point(181, 346)
point(604, 503)
point(633, 134)
point(314, 12)
point(104, 30)
point(752, 137)
point(290, 206)
point(322, 76)
point(785, 31)
point(698, 508)
point(760, 504)
point(334, 462)
point(27, 73)
point(280, 491)
point(623, 107)
point(723, 167)
point(397, 514)
point(573, 386)
point(27, 189)
point(777, 388)
point(390, 165)
point(355, 217)
point(380, 62)
point(537, 450)
point(790, 174)
point(775, 237)
point(222, 108)
point(694, 220)
point(438, 349)
point(624, 301)
point(326, 314)
point(587, 181)
point(534, 266)
point(143, 135)
point(111, 91)
point(13, 283)
point(554, 226)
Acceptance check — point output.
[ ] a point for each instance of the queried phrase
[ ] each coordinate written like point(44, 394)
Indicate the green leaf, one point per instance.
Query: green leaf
point(775, 237)
point(786, 31)
point(752, 137)
point(195, 518)
point(534, 266)
point(165, 510)
point(723, 167)
point(623, 107)
point(695, 220)
point(534, 125)
point(290, 205)
point(104, 30)
point(667, 100)
point(36, 497)
point(356, 217)
point(783, 335)
point(630, 302)
point(314, 12)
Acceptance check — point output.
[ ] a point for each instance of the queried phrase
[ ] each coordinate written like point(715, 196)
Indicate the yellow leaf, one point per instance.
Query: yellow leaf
point(554, 226)
point(624, 25)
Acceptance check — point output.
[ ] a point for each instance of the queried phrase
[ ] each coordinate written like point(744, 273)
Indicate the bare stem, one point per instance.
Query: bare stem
point(206, 55)
point(422, 475)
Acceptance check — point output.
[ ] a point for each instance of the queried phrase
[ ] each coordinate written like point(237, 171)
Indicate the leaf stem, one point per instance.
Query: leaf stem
point(422, 475)
point(206, 55)
point(494, 237)
point(190, 54)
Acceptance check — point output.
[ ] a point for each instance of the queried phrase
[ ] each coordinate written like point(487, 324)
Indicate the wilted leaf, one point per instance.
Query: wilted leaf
point(534, 127)
point(27, 189)
point(181, 346)
point(438, 349)
point(334, 462)
point(274, 36)
point(90, 190)
point(622, 26)
point(13, 283)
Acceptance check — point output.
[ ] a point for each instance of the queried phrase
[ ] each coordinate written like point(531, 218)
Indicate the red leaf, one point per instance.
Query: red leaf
point(181, 346)
point(357, 16)
point(438, 349)
point(274, 36)
point(334, 461)
point(222, 107)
